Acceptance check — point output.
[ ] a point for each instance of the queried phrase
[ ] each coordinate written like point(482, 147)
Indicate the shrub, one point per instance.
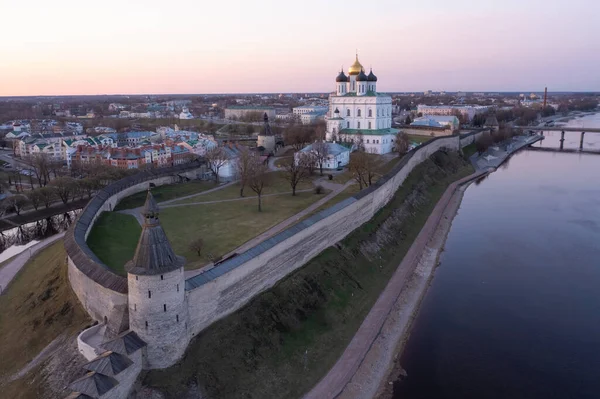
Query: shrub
point(319, 189)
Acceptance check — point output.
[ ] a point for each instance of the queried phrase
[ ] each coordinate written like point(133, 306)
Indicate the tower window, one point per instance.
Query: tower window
point(135, 306)
point(369, 125)
point(177, 318)
point(177, 287)
point(165, 307)
point(358, 125)
point(370, 113)
point(162, 277)
point(149, 294)
point(358, 113)
point(146, 324)
point(347, 112)
point(348, 124)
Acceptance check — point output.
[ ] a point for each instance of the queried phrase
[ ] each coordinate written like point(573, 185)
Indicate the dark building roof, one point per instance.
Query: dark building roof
point(372, 77)
point(362, 77)
point(93, 384)
point(124, 344)
point(266, 127)
point(491, 121)
point(150, 207)
point(341, 77)
point(109, 363)
point(154, 254)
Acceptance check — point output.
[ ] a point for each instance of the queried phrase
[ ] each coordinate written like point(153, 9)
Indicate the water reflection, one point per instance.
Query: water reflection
point(17, 238)
point(513, 309)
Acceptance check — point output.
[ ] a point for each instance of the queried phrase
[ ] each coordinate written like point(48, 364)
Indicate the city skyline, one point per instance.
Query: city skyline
point(266, 47)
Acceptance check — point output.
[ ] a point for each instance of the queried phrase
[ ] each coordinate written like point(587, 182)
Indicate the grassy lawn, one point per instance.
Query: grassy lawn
point(278, 185)
point(114, 238)
point(382, 168)
point(165, 193)
point(225, 226)
point(469, 150)
point(280, 162)
point(416, 138)
point(37, 307)
point(281, 343)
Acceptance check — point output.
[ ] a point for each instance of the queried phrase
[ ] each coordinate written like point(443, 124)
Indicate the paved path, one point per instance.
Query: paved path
point(10, 270)
point(231, 199)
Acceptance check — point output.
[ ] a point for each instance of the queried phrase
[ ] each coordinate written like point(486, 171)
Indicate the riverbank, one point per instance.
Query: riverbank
point(363, 371)
point(365, 362)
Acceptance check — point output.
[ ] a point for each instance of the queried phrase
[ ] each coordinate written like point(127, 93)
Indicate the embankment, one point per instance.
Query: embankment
point(284, 340)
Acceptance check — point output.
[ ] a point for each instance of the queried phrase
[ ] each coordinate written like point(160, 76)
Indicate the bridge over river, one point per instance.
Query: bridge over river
point(562, 130)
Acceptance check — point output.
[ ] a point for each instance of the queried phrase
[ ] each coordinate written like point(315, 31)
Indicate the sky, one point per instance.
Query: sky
point(70, 47)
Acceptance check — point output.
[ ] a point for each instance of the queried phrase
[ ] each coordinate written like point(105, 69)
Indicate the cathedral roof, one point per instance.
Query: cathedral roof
point(355, 68)
point(154, 254)
point(362, 77)
point(372, 77)
point(341, 77)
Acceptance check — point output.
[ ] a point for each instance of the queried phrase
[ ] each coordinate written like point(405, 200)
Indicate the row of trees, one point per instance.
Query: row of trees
point(486, 140)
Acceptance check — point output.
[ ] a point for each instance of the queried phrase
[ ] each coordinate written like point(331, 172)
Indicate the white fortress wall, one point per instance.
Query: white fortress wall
point(227, 292)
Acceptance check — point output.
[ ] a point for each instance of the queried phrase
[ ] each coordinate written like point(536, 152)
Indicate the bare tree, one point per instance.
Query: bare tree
point(64, 187)
point(216, 158)
point(47, 195)
point(16, 202)
point(258, 178)
point(197, 245)
point(243, 167)
point(401, 144)
point(357, 168)
point(295, 171)
point(363, 167)
point(35, 198)
point(321, 151)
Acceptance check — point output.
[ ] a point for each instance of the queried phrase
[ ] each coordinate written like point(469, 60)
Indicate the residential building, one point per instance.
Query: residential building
point(469, 111)
point(451, 121)
point(337, 156)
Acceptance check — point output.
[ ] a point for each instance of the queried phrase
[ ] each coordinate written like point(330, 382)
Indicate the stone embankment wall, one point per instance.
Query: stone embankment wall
point(227, 287)
point(103, 293)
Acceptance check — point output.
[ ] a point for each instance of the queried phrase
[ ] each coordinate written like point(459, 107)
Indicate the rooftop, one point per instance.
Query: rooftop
point(370, 132)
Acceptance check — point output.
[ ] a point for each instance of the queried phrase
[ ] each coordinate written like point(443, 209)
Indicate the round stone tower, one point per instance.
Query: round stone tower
point(158, 310)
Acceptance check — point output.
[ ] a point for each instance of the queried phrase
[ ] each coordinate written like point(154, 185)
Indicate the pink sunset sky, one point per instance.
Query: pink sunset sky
point(183, 46)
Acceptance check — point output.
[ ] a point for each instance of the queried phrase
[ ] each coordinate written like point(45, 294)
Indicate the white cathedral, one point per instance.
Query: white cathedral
point(357, 111)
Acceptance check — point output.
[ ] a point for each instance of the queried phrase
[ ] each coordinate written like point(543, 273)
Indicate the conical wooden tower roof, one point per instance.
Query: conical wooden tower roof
point(154, 254)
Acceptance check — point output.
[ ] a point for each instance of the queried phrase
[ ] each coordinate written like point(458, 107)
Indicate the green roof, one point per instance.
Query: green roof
point(370, 132)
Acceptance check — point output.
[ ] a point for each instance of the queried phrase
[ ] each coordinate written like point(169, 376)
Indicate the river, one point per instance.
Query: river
point(512, 311)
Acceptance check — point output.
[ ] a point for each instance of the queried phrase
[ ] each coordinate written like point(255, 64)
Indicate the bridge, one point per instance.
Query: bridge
point(562, 131)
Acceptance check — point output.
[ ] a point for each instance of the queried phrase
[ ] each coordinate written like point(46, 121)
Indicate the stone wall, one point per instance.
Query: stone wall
point(101, 303)
point(103, 293)
point(85, 347)
point(429, 131)
point(230, 285)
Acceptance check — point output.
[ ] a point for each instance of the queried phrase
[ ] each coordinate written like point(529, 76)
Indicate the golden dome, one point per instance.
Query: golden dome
point(355, 68)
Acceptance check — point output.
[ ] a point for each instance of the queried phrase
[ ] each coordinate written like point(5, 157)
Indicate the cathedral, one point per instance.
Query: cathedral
point(357, 112)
